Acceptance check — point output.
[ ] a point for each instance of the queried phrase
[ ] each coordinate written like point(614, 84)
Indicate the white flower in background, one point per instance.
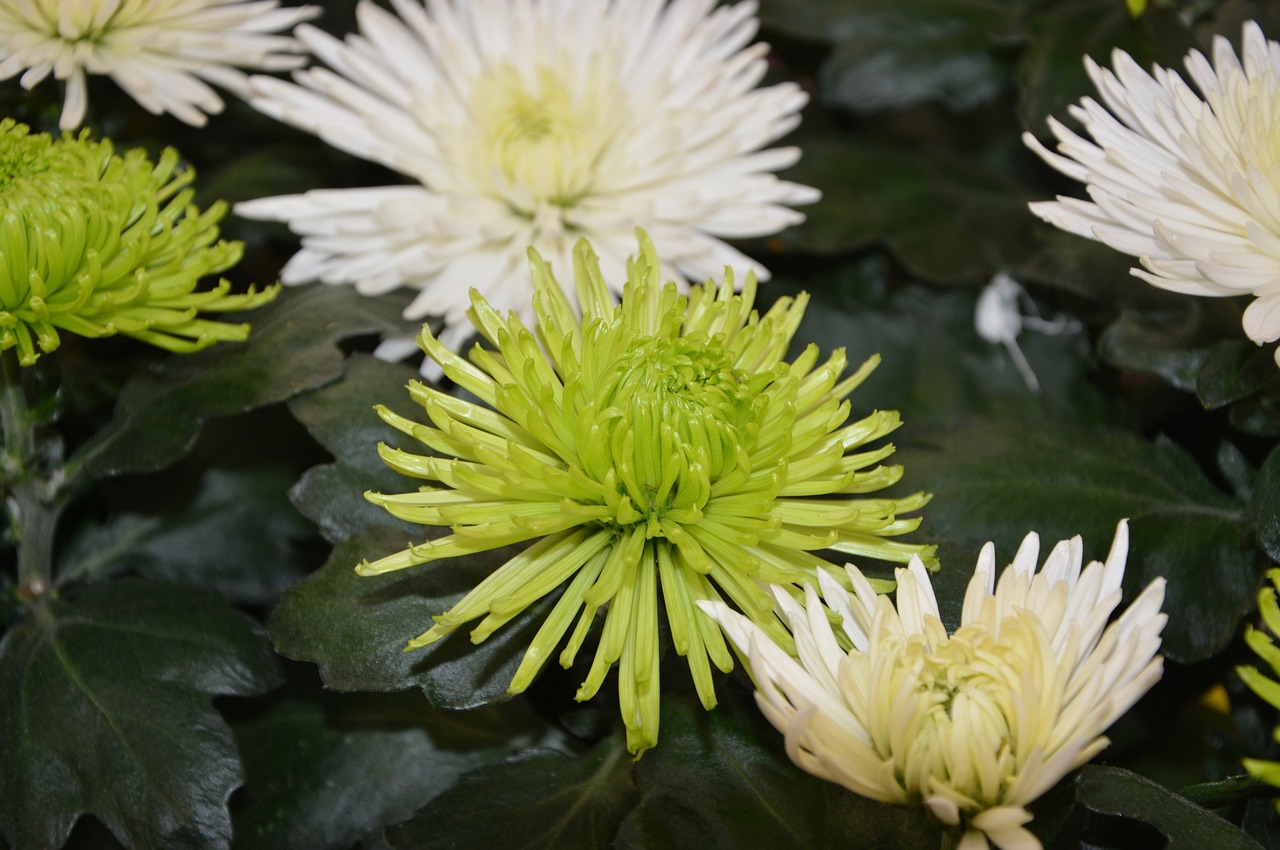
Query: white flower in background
point(975, 725)
point(1190, 186)
point(535, 122)
point(161, 52)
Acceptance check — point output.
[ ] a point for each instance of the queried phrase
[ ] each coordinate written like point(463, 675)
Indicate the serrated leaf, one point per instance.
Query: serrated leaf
point(293, 348)
point(1112, 791)
point(341, 418)
point(999, 480)
point(1264, 505)
point(721, 779)
point(947, 219)
point(105, 708)
point(321, 776)
point(238, 536)
point(356, 628)
point(538, 799)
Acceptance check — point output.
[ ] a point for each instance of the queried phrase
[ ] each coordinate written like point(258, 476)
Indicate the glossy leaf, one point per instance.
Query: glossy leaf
point(947, 219)
point(341, 418)
point(294, 347)
point(934, 367)
point(999, 480)
point(721, 779)
point(356, 628)
point(1264, 505)
point(1233, 370)
point(928, 51)
point(1051, 72)
point(323, 775)
point(105, 708)
point(1112, 791)
point(239, 536)
point(538, 799)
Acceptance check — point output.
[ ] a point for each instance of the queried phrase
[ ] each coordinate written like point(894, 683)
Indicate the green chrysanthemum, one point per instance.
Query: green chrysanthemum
point(663, 442)
point(99, 244)
point(1267, 688)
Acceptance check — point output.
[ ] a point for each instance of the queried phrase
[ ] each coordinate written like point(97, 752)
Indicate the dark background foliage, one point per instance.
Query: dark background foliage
point(208, 672)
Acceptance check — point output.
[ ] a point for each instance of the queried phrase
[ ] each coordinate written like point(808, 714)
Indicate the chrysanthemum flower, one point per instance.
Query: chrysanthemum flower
point(162, 52)
point(98, 244)
point(1190, 186)
point(663, 443)
point(534, 123)
point(1269, 689)
point(973, 725)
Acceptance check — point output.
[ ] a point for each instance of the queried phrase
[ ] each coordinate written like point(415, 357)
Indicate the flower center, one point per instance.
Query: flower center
point(540, 136)
point(963, 685)
point(672, 415)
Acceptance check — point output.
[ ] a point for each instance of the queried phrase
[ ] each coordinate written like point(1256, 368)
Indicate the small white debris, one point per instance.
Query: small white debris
point(998, 319)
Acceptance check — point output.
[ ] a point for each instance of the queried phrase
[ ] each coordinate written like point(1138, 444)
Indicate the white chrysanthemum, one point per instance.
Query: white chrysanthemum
point(161, 52)
point(1189, 186)
point(534, 123)
point(973, 725)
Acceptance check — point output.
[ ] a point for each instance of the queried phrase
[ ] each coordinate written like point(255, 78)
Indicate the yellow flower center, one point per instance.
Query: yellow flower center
point(964, 686)
point(540, 139)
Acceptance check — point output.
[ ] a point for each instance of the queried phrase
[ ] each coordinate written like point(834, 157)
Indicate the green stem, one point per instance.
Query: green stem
point(36, 524)
point(25, 492)
point(15, 418)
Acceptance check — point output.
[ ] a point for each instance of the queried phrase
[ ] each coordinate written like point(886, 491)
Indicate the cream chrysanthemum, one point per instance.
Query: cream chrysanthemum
point(161, 52)
point(660, 443)
point(1190, 186)
point(973, 725)
point(534, 123)
point(97, 244)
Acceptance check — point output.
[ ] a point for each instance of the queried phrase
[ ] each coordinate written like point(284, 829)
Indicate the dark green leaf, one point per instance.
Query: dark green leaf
point(1232, 370)
point(1112, 791)
point(1258, 415)
point(294, 347)
point(341, 418)
point(947, 219)
point(1236, 470)
point(1164, 344)
point(934, 366)
point(356, 628)
point(996, 480)
point(1085, 267)
point(1230, 790)
point(237, 536)
point(538, 799)
point(322, 776)
point(722, 780)
point(1051, 74)
point(1264, 505)
point(894, 55)
point(105, 709)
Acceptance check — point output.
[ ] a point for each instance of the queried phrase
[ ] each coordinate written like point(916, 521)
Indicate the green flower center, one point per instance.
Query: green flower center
point(676, 413)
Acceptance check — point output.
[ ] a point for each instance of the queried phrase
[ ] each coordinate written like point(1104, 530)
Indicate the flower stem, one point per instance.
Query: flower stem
point(19, 438)
point(33, 519)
